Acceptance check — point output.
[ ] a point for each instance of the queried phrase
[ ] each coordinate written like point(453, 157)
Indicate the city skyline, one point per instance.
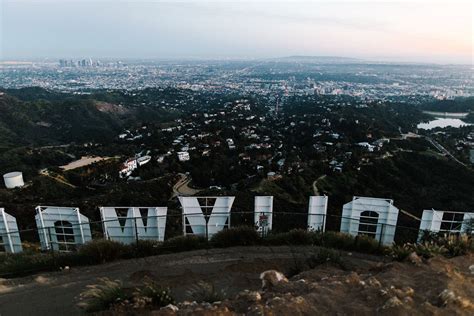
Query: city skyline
point(397, 31)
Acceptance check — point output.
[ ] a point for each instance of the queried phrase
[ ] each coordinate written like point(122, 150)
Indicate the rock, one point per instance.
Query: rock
point(41, 279)
point(471, 268)
point(275, 300)
point(251, 296)
point(171, 308)
point(405, 292)
point(271, 278)
point(372, 281)
point(408, 300)
point(392, 302)
point(414, 259)
point(299, 300)
point(447, 297)
point(408, 291)
point(353, 279)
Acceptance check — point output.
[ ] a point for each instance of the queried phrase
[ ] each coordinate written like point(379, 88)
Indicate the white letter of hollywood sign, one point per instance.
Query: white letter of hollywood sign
point(127, 229)
point(197, 222)
point(9, 235)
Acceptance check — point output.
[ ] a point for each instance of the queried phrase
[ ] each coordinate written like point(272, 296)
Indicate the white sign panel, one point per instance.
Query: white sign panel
point(9, 236)
point(317, 211)
point(62, 228)
point(203, 217)
point(263, 212)
point(370, 216)
point(127, 225)
point(445, 221)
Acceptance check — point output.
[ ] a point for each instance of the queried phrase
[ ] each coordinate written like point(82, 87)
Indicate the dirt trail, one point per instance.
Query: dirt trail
point(364, 285)
point(233, 268)
point(60, 179)
point(315, 184)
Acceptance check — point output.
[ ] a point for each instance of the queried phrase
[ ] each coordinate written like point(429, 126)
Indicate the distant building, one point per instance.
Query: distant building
point(128, 167)
point(183, 156)
point(272, 176)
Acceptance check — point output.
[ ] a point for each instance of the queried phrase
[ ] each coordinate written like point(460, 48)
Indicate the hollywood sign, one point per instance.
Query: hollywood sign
point(65, 228)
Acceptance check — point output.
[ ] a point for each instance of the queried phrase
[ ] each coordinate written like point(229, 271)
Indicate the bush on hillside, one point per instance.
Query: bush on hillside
point(337, 240)
point(146, 248)
point(102, 296)
point(294, 237)
point(185, 243)
point(236, 236)
point(102, 250)
point(325, 256)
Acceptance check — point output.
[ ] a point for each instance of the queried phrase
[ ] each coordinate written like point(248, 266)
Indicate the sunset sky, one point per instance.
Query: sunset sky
point(426, 31)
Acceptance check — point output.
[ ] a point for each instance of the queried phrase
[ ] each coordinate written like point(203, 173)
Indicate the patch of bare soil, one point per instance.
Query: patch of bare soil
point(111, 108)
point(439, 286)
point(365, 285)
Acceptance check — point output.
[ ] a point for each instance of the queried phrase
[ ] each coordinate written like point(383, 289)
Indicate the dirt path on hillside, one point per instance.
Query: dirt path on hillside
point(327, 289)
point(315, 185)
point(234, 269)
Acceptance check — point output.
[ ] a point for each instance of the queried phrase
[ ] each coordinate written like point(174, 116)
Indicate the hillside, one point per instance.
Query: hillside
point(42, 122)
point(357, 285)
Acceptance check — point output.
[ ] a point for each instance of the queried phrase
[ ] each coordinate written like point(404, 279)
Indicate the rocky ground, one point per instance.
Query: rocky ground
point(438, 286)
point(354, 285)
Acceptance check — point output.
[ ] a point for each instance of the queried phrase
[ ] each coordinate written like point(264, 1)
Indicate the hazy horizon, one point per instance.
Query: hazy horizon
point(399, 31)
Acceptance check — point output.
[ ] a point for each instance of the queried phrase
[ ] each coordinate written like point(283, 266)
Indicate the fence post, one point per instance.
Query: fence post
point(136, 230)
point(51, 248)
point(381, 234)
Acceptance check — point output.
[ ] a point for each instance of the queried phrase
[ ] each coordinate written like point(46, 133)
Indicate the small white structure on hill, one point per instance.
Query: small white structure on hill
point(373, 217)
point(9, 236)
point(263, 213)
point(205, 216)
point(13, 180)
point(446, 222)
point(62, 228)
point(317, 211)
point(129, 224)
point(183, 156)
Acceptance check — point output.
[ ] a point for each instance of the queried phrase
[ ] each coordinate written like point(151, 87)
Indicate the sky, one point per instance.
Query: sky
point(397, 30)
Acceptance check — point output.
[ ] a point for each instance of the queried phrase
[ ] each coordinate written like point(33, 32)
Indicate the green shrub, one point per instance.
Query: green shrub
point(146, 248)
point(338, 240)
point(400, 252)
point(205, 292)
point(237, 236)
point(185, 243)
point(102, 250)
point(429, 249)
point(159, 296)
point(293, 237)
point(428, 236)
point(102, 296)
point(23, 263)
point(325, 256)
point(367, 244)
point(457, 245)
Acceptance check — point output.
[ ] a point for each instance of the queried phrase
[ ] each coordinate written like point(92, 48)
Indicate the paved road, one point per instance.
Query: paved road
point(182, 187)
point(444, 150)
